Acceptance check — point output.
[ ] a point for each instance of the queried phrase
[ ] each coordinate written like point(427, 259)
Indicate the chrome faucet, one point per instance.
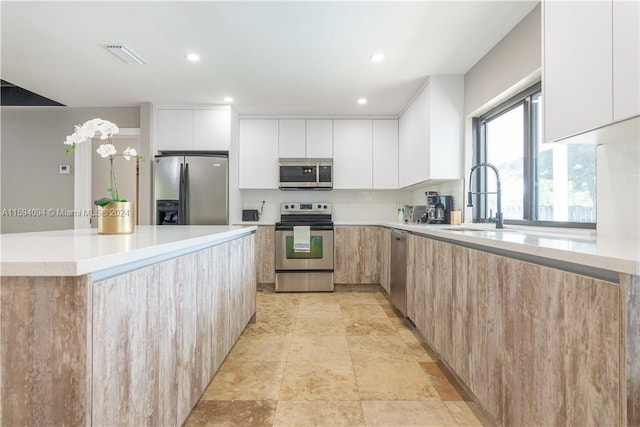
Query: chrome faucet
point(499, 219)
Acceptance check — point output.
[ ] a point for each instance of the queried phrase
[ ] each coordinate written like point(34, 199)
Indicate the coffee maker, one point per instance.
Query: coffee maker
point(438, 208)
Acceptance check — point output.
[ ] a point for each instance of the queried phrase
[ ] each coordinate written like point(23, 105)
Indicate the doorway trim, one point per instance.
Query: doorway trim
point(82, 203)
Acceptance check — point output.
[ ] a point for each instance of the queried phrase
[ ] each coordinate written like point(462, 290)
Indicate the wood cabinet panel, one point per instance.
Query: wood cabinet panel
point(384, 257)
point(417, 301)
point(537, 346)
point(356, 255)
point(123, 316)
point(221, 308)
point(630, 358)
point(45, 351)
point(249, 282)
point(205, 319)
point(266, 256)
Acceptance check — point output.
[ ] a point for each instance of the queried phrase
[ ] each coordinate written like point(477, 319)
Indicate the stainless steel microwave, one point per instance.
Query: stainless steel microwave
point(306, 174)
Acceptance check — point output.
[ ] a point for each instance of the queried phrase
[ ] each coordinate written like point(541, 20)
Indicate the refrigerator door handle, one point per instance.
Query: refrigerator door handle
point(185, 204)
point(181, 194)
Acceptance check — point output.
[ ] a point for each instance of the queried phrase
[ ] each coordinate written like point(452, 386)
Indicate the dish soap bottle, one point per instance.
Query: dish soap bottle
point(401, 215)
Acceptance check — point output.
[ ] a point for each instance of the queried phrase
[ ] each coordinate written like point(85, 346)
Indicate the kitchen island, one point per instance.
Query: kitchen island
point(119, 329)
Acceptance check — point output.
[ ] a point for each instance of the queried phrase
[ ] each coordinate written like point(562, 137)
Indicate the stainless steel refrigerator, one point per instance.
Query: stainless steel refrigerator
point(191, 189)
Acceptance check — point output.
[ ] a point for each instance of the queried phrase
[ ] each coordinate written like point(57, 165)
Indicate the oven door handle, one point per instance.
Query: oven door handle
point(317, 173)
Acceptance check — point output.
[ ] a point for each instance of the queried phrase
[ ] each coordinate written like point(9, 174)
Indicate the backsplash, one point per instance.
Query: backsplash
point(348, 205)
point(351, 205)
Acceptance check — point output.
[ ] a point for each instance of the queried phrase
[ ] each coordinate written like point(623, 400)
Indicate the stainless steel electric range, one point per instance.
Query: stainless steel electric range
point(304, 256)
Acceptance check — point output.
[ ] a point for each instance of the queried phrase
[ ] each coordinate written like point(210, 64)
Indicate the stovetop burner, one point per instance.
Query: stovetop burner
point(312, 214)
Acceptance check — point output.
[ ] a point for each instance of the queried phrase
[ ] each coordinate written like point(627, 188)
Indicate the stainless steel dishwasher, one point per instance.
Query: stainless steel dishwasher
point(398, 283)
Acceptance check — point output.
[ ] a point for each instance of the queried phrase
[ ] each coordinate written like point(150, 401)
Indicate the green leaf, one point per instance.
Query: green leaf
point(104, 201)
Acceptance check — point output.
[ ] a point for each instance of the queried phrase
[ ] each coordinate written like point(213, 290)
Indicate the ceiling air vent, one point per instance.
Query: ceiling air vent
point(125, 53)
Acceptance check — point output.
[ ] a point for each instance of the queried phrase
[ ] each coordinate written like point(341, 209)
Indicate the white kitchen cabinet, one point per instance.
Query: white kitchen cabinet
point(212, 129)
point(626, 59)
point(577, 75)
point(430, 133)
point(301, 138)
point(385, 154)
point(258, 153)
point(291, 139)
point(352, 154)
point(174, 130)
point(319, 139)
point(187, 129)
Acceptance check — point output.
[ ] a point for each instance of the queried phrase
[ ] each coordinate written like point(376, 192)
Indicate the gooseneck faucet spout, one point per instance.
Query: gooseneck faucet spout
point(499, 218)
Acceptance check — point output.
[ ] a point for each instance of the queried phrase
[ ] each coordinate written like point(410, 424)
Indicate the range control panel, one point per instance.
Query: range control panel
point(301, 208)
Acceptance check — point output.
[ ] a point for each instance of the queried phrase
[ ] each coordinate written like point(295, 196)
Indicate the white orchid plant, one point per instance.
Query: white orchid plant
point(106, 129)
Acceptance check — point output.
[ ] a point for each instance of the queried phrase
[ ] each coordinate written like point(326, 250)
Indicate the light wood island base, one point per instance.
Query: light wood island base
point(138, 348)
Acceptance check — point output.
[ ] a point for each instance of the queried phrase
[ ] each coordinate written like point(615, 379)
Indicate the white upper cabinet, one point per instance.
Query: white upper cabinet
point(430, 133)
point(626, 59)
point(385, 154)
point(301, 138)
point(174, 130)
point(577, 76)
point(212, 129)
point(291, 141)
point(258, 153)
point(187, 129)
point(352, 154)
point(319, 135)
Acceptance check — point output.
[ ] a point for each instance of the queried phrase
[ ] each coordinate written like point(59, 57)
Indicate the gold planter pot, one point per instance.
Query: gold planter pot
point(116, 218)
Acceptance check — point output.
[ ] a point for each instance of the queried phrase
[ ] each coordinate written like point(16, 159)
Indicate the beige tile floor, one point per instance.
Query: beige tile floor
point(331, 359)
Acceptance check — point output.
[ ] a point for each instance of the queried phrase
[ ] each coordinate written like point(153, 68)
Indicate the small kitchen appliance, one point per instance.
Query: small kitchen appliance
point(446, 204)
point(304, 247)
point(419, 214)
point(439, 208)
point(305, 174)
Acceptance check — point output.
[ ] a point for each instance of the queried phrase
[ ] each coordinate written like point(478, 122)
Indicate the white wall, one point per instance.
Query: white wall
point(32, 148)
point(509, 67)
point(235, 197)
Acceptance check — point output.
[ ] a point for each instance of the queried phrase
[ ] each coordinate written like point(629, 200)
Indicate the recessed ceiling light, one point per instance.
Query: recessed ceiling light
point(377, 57)
point(193, 57)
point(362, 101)
point(228, 99)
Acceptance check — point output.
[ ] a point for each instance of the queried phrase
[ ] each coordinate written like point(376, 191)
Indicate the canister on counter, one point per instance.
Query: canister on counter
point(456, 217)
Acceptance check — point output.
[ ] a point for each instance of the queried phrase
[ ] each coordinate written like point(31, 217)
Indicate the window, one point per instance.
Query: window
point(542, 184)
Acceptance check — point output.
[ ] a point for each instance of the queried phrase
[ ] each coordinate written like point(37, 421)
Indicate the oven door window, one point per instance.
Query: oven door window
point(297, 173)
point(315, 253)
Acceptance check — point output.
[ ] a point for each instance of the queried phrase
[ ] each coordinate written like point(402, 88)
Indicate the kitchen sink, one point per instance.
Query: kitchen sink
point(493, 230)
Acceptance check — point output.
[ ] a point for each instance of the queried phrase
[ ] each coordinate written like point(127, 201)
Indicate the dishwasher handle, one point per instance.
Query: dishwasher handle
point(399, 234)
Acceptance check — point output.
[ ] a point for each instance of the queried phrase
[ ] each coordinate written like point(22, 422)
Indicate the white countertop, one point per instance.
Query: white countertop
point(84, 251)
point(580, 247)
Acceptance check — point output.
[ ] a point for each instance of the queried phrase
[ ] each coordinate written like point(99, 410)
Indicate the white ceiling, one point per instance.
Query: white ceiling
point(308, 58)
